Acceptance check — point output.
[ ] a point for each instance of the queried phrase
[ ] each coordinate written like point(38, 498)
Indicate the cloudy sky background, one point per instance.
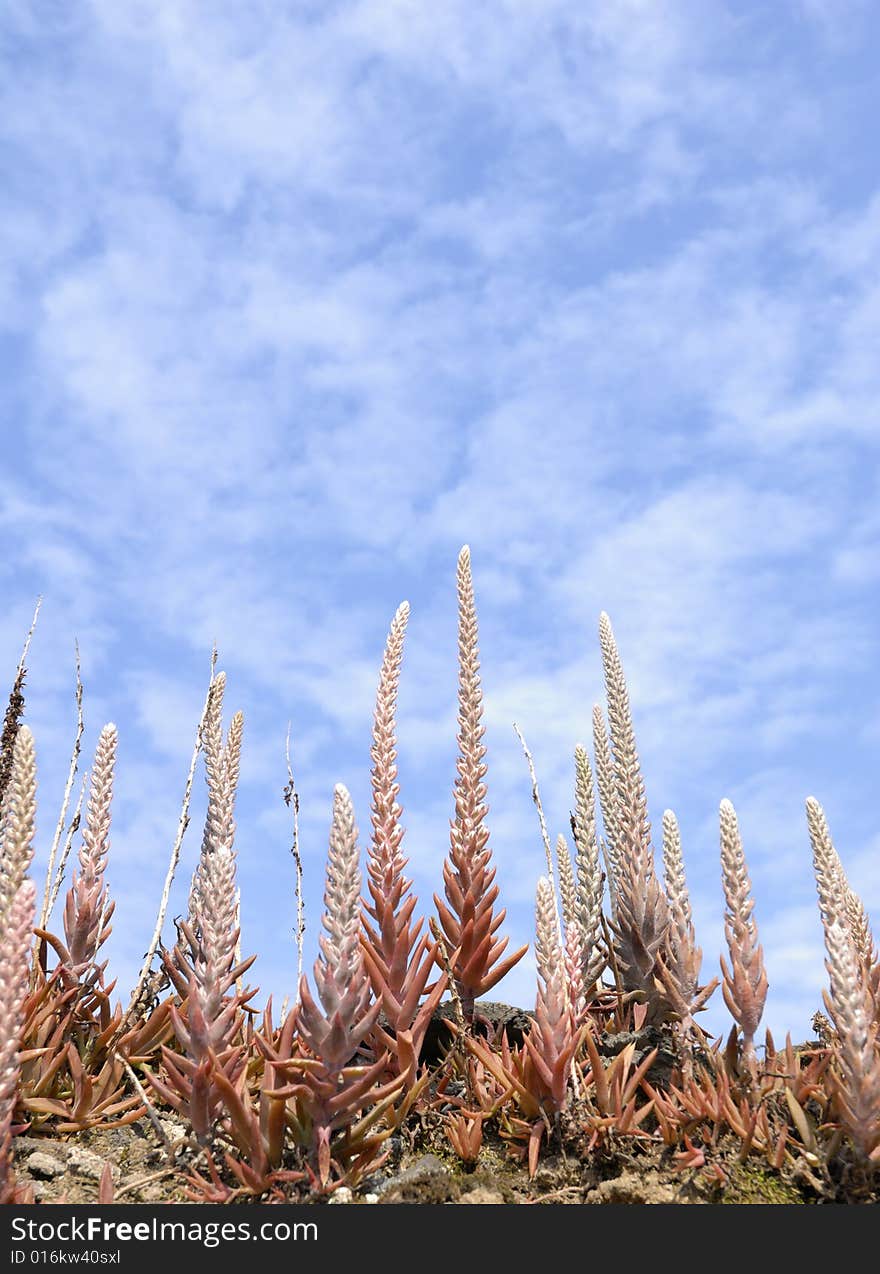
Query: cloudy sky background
point(296, 299)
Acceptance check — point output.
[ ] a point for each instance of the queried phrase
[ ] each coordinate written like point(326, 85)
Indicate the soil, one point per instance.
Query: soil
point(69, 1171)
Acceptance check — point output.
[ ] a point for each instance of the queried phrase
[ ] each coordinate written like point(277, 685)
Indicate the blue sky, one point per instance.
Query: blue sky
point(296, 299)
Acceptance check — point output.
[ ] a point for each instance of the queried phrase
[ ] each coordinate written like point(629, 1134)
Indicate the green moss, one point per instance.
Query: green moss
point(753, 1184)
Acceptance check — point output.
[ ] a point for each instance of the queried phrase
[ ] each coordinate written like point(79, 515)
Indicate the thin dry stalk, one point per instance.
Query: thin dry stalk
point(49, 895)
point(152, 1114)
point(443, 954)
point(30, 633)
point(464, 1027)
point(131, 1186)
point(136, 1002)
point(15, 709)
point(548, 854)
point(291, 800)
point(536, 798)
point(73, 828)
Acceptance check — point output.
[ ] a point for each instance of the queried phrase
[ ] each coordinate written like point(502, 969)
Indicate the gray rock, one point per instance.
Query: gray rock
point(85, 1163)
point(650, 1037)
point(489, 1016)
point(172, 1130)
point(23, 1145)
point(634, 1187)
point(426, 1170)
point(44, 1166)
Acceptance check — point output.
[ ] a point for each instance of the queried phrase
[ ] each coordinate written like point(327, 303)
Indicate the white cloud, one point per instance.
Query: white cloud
point(298, 302)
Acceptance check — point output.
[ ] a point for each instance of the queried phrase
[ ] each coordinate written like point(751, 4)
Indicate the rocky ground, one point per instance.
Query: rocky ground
point(68, 1171)
point(421, 1167)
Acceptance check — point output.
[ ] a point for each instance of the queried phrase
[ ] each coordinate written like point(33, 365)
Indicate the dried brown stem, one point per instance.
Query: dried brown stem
point(291, 800)
point(137, 999)
point(50, 894)
point(15, 709)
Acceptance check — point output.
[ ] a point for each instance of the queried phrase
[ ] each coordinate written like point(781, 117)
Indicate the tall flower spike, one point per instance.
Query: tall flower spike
point(17, 820)
point(468, 920)
point(859, 924)
point(567, 896)
point(335, 1082)
point(642, 917)
point(553, 1040)
point(547, 953)
point(15, 939)
point(399, 961)
point(745, 982)
point(674, 879)
point(335, 1030)
point(214, 898)
point(680, 971)
point(87, 909)
point(217, 822)
point(866, 950)
point(588, 904)
point(232, 757)
point(208, 1021)
point(850, 1002)
point(681, 965)
point(607, 803)
point(232, 764)
point(574, 972)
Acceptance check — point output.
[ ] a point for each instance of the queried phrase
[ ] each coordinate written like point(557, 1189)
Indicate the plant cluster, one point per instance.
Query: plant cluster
point(296, 1108)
